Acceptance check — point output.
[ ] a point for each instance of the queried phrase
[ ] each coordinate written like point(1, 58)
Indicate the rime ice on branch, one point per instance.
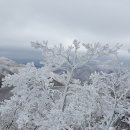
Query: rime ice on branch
point(45, 100)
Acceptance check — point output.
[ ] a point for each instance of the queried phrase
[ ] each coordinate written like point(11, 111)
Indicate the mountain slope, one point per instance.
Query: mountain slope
point(7, 66)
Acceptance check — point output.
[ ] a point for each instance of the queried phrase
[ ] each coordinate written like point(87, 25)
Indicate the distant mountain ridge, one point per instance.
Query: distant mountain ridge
point(7, 66)
point(83, 72)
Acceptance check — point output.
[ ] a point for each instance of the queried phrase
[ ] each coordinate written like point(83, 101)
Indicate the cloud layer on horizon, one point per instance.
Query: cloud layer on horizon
point(61, 21)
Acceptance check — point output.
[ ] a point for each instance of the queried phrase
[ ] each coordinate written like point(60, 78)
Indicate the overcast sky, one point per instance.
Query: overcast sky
point(61, 21)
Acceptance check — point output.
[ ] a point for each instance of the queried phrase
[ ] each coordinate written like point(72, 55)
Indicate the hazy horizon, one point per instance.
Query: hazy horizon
point(63, 21)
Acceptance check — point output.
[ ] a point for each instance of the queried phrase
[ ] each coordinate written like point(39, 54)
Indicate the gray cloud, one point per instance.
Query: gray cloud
point(106, 21)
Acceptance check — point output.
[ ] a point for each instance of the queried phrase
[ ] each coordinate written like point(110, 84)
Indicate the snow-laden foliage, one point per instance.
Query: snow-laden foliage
point(45, 100)
point(58, 55)
point(113, 94)
point(30, 87)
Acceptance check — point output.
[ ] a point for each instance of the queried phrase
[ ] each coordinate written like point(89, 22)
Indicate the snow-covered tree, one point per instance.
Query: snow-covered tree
point(32, 98)
point(40, 104)
point(112, 95)
point(57, 56)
